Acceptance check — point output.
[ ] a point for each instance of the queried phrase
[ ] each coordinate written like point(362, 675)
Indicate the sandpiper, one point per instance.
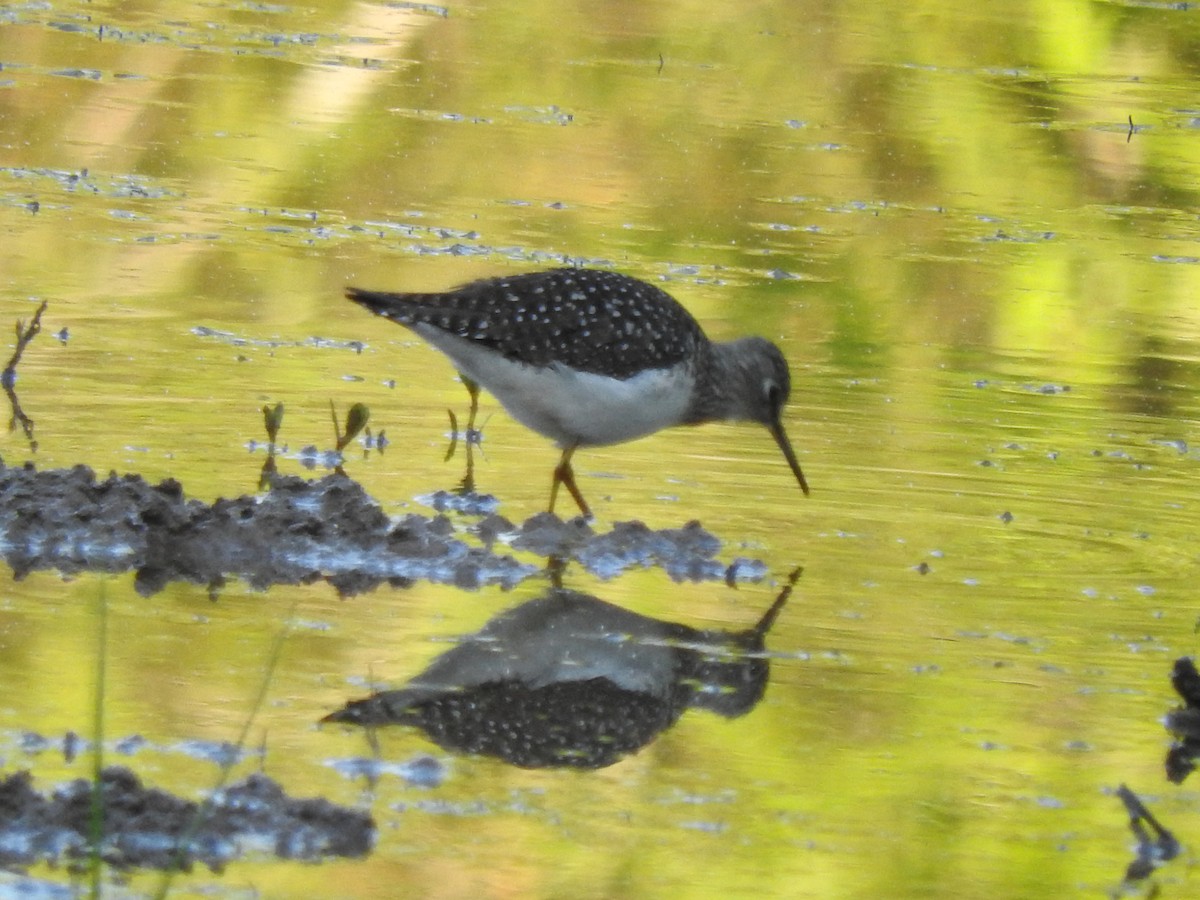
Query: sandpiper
point(589, 357)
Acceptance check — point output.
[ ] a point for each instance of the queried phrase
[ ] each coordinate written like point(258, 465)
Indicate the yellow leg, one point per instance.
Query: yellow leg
point(565, 475)
point(467, 485)
point(473, 390)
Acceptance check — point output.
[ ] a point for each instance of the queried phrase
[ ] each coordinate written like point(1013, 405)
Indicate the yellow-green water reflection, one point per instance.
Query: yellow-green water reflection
point(937, 209)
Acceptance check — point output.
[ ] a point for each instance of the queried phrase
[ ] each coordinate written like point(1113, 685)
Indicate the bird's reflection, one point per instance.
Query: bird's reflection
point(570, 680)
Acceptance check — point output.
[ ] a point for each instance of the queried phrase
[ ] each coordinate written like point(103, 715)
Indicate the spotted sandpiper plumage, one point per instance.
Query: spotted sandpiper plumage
point(589, 357)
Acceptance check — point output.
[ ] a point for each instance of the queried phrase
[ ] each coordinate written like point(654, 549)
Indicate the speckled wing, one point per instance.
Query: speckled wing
point(591, 320)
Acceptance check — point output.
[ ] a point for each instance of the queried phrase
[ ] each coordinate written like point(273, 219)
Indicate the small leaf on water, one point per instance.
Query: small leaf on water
point(272, 419)
point(356, 420)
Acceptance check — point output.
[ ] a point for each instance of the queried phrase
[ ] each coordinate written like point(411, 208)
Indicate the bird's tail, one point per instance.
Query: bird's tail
point(397, 307)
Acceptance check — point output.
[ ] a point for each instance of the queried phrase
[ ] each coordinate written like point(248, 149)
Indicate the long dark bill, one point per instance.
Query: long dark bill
point(789, 454)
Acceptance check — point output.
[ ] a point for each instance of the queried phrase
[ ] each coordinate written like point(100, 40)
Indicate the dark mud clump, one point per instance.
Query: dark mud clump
point(1184, 722)
point(304, 531)
point(298, 532)
point(149, 828)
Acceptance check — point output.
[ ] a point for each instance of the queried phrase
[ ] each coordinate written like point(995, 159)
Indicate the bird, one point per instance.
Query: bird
point(592, 357)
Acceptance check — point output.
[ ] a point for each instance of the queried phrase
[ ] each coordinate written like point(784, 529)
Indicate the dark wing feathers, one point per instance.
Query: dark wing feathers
point(592, 320)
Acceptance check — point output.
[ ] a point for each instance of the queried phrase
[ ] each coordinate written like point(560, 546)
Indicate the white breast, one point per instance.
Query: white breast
point(572, 407)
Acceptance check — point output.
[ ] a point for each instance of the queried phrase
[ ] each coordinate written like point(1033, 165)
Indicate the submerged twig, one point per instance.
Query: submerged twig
point(231, 759)
point(25, 334)
point(96, 813)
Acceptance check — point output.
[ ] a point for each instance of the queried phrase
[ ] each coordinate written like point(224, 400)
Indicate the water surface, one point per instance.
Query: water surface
point(972, 230)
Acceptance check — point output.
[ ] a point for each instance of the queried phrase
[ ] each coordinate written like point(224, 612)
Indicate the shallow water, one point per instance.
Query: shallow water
point(971, 229)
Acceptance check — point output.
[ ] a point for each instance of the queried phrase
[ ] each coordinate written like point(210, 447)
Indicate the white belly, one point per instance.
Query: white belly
point(573, 407)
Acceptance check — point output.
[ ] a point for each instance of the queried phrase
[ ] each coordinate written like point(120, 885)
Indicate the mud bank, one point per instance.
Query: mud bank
point(301, 531)
point(149, 828)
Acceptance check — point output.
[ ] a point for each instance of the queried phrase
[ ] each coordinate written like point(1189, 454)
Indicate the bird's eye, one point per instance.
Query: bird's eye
point(772, 393)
